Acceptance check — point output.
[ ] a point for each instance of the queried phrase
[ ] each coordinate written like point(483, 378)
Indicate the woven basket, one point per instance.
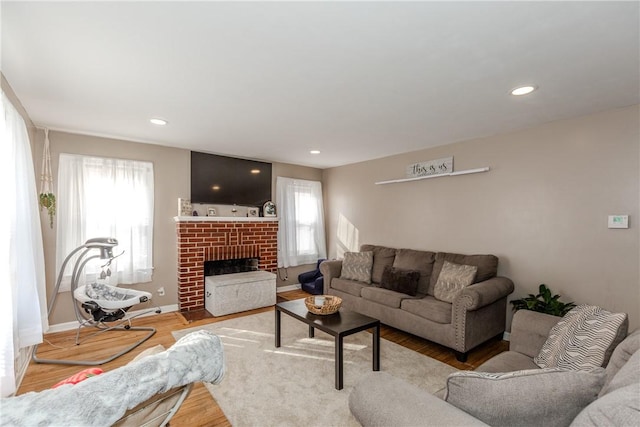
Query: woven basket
point(323, 304)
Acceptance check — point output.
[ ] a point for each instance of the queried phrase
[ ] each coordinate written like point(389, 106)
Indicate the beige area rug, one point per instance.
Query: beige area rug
point(294, 385)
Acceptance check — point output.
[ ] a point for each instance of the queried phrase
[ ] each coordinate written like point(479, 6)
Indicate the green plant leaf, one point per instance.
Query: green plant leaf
point(544, 302)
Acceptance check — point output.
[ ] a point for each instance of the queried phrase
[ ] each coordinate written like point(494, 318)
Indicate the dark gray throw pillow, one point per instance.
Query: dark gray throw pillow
point(403, 281)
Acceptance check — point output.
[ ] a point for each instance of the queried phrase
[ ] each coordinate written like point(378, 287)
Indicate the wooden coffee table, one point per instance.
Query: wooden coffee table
point(338, 325)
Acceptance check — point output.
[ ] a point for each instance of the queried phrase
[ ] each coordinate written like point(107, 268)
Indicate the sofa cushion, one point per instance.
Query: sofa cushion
point(622, 354)
point(348, 286)
point(487, 266)
point(618, 408)
point(508, 361)
point(382, 257)
point(582, 339)
point(422, 261)
point(399, 280)
point(627, 375)
point(537, 397)
point(428, 308)
point(383, 296)
point(357, 266)
point(453, 278)
point(381, 399)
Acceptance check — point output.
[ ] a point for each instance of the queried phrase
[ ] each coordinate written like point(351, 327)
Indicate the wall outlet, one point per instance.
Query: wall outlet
point(160, 291)
point(618, 221)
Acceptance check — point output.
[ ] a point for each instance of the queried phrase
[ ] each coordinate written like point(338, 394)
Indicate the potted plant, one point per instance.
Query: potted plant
point(48, 201)
point(544, 302)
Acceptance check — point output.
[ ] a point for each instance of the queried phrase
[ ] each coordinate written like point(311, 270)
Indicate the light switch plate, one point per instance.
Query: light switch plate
point(618, 221)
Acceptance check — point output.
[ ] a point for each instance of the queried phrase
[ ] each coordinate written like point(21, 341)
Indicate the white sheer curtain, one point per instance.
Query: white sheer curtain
point(105, 197)
point(22, 282)
point(301, 238)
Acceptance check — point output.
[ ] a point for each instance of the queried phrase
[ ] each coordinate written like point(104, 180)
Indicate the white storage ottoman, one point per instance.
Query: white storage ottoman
point(232, 293)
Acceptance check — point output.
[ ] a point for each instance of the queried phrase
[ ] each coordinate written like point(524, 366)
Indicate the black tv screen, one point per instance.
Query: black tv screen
point(229, 180)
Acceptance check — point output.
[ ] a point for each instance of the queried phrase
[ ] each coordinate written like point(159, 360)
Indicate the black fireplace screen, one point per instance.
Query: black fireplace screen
point(229, 266)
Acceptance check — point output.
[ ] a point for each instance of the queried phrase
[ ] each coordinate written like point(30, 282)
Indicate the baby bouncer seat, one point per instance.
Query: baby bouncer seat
point(97, 304)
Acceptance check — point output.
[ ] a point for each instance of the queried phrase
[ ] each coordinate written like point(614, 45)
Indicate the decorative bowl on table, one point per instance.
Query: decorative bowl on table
point(323, 304)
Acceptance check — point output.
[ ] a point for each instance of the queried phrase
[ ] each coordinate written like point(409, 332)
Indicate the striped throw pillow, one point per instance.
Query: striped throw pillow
point(582, 339)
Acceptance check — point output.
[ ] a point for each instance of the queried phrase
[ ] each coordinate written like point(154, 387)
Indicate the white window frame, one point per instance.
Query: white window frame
point(301, 237)
point(106, 197)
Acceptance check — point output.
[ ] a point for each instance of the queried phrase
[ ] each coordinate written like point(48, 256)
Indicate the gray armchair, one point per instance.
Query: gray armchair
point(528, 397)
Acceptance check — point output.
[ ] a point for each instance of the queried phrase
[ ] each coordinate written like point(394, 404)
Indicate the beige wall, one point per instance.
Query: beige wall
point(542, 208)
point(172, 180)
point(171, 172)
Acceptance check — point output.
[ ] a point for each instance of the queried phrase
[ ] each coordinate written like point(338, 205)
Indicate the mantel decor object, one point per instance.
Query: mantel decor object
point(184, 207)
point(269, 209)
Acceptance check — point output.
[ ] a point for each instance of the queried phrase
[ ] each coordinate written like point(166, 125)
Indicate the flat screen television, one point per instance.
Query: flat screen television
point(228, 180)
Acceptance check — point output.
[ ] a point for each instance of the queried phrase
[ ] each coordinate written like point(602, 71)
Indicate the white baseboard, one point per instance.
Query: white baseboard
point(293, 287)
point(67, 326)
point(506, 336)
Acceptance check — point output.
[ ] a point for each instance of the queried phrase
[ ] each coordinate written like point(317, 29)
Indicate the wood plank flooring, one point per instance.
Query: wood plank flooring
point(199, 409)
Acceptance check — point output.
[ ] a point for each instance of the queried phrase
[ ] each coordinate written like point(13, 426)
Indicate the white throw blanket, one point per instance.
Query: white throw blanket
point(103, 399)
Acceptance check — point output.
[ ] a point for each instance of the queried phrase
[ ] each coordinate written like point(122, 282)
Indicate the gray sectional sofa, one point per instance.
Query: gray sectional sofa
point(475, 315)
point(525, 396)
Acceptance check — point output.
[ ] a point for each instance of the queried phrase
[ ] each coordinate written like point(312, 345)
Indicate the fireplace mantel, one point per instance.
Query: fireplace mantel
point(224, 219)
point(201, 239)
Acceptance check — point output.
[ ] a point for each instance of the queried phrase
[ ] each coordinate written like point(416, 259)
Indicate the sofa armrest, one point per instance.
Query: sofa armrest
point(484, 293)
point(329, 270)
point(529, 331)
point(384, 400)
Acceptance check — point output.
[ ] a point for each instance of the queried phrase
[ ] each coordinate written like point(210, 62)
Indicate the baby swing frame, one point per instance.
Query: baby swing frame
point(95, 311)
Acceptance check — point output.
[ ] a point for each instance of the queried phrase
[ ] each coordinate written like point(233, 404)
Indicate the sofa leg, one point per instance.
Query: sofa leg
point(461, 357)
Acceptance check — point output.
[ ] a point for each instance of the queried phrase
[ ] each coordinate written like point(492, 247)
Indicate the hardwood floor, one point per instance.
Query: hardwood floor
point(199, 409)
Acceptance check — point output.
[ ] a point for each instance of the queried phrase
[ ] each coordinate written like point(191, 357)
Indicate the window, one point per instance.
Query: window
point(301, 238)
point(104, 197)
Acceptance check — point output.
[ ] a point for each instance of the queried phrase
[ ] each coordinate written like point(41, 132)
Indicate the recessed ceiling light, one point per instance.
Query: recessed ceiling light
point(215, 187)
point(158, 121)
point(255, 171)
point(314, 151)
point(523, 90)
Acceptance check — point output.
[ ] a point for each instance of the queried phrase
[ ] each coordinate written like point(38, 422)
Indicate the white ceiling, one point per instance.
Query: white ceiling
point(356, 80)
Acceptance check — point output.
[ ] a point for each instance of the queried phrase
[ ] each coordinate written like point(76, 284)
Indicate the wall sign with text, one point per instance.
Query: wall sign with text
point(431, 167)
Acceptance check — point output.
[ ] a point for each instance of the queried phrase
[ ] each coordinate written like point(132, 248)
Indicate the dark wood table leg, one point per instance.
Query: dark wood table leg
point(311, 331)
point(339, 364)
point(376, 348)
point(277, 327)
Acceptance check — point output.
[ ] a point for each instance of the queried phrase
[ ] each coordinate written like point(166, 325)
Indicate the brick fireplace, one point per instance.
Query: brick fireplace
point(203, 239)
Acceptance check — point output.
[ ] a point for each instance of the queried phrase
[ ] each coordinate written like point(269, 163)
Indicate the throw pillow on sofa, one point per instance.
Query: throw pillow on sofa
point(399, 280)
point(453, 279)
point(583, 339)
point(382, 256)
point(487, 266)
point(422, 261)
point(535, 397)
point(357, 266)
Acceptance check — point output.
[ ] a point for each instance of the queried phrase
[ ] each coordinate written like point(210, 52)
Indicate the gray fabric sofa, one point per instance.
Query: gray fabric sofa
point(476, 315)
point(601, 397)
